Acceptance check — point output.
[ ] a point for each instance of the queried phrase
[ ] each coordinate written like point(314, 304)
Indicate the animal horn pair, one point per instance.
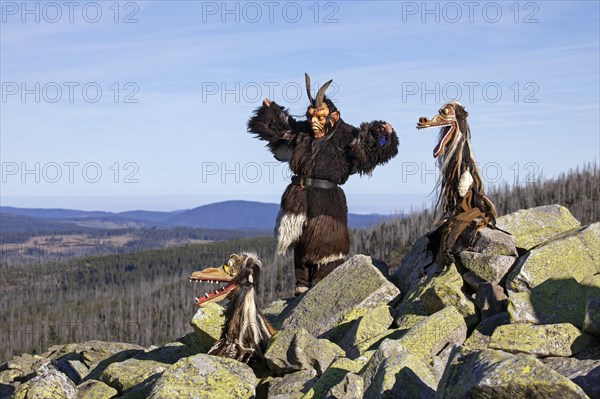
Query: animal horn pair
point(320, 93)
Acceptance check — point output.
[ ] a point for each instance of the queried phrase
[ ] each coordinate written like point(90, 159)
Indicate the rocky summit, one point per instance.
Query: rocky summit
point(515, 316)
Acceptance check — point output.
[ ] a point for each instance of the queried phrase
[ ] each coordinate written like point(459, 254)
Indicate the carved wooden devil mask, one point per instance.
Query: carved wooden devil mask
point(322, 113)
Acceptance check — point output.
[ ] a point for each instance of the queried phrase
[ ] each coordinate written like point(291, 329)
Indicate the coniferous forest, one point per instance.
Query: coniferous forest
point(144, 297)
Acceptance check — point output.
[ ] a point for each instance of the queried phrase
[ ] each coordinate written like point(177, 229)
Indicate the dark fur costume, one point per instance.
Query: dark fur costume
point(463, 207)
point(315, 220)
point(459, 230)
point(246, 330)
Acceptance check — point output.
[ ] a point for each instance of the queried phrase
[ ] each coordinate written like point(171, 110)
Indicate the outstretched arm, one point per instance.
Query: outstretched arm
point(375, 143)
point(273, 124)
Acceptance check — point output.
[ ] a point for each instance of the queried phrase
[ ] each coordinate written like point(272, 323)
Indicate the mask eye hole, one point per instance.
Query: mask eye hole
point(445, 111)
point(227, 266)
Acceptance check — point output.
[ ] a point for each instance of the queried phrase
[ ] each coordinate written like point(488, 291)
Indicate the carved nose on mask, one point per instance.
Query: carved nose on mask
point(422, 119)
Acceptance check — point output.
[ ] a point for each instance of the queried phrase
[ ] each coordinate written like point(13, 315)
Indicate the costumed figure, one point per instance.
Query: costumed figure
point(462, 208)
point(246, 330)
point(322, 151)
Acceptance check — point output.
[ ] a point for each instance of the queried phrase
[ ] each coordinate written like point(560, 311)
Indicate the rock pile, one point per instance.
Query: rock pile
point(516, 316)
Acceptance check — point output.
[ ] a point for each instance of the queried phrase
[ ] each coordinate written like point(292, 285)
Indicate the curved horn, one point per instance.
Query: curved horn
point(321, 93)
point(307, 78)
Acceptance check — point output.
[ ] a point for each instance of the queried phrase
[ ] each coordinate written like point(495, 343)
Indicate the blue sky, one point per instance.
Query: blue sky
point(143, 105)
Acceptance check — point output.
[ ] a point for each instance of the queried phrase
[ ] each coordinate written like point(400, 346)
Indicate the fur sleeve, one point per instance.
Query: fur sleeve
point(372, 147)
point(272, 124)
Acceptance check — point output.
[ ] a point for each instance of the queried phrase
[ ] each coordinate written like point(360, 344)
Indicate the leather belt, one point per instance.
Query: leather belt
point(303, 181)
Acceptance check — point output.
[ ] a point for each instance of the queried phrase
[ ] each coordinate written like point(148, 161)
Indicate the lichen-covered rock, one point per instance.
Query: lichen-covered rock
point(575, 255)
point(192, 342)
point(480, 337)
point(491, 268)
point(9, 376)
point(551, 302)
point(446, 290)
point(374, 342)
point(406, 320)
point(333, 376)
point(591, 322)
point(472, 280)
point(24, 363)
point(74, 369)
point(490, 300)
point(293, 385)
point(94, 352)
point(585, 373)
point(440, 361)
point(417, 265)
point(429, 336)
point(208, 325)
point(494, 242)
point(170, 353)
point(126, 374)
point(93, 389)
point(534, 226)
point(371, 324)
point(499, 375)
point(350, 291)
point(364, 358)
point(350, 387)
point(72, 365)
point(73, 359)
point(295, 349)
point(393, 372)
point(411, 310)
point(433, 294)
point(141, 390)
point(431, 290)
point(205, 377)
point(543, 340)
point(277, 311)
point(48, 384)
point(21, 367)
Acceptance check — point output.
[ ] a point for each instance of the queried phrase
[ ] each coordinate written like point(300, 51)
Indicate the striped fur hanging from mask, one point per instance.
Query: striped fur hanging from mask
point(246, 330)
point(462, 207)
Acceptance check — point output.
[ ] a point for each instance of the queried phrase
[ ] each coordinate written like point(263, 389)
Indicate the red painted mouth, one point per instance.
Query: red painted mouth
point(448, 128)
point(213, 276)
point(215, 296)
point(441, 146)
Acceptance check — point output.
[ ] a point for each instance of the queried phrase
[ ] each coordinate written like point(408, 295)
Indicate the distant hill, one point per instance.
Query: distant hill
point(147, 216)
point(226, 215)
point(55, 213)
point(247, 215)
point(77, 215)
point(19, 224)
